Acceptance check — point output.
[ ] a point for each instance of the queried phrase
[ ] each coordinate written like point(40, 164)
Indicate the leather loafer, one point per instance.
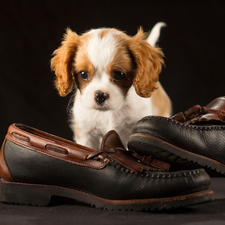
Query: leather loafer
point(36, 166)
point(195, 138)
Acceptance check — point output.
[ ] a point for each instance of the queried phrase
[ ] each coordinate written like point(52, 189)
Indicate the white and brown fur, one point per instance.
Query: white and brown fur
point(121, 69)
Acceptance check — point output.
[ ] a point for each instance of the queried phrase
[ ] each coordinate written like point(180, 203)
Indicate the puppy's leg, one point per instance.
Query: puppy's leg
point(88, 140)
point(85, 137)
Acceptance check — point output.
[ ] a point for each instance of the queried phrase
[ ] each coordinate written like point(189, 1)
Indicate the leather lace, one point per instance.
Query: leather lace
point(198, 113)
point(101, 151)
point(145, 160)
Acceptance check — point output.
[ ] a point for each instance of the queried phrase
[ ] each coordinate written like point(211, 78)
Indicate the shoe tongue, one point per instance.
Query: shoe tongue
point(217, 104)
point(112, 140)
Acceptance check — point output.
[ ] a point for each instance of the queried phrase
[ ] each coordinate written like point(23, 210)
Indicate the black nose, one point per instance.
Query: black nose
point(100, 97)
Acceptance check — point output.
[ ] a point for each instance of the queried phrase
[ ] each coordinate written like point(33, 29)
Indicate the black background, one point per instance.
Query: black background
point(31, 30)
point(193, 43)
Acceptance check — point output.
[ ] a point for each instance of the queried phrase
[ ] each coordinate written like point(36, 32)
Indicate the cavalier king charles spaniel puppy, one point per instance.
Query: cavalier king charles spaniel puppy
point(116, 78)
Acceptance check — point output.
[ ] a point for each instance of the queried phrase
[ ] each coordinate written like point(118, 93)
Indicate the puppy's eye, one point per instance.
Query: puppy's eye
point(84, 75)
point(117, 75)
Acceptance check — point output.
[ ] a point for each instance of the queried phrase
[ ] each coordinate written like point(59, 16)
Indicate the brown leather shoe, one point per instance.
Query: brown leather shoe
point(35, 166)
point(192, 138)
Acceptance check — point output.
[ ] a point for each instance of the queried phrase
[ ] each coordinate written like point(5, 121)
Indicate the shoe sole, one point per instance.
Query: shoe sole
point(149, 145)
point(40, 195)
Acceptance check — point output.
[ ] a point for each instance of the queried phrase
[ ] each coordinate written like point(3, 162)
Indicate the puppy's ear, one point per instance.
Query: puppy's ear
point(62, 62)
point(149, 62)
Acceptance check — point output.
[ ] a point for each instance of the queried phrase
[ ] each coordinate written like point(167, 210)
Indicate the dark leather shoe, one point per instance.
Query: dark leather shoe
point(195, 136)
point(35, 166)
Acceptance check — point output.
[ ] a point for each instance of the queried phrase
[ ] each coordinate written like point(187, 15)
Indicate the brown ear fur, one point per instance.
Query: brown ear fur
point(149, 62)
point(62, 62)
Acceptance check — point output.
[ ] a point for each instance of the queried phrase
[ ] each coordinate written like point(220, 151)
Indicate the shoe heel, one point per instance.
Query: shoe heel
point(24, 194)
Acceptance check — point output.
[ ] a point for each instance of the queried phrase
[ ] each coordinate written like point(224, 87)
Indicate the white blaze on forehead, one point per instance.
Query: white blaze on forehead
point(101, 49)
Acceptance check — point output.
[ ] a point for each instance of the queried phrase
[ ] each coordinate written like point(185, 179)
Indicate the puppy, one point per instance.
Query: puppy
point(115, 75)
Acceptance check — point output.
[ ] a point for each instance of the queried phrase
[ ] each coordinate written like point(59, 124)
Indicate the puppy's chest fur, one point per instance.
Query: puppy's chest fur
point(98, 123)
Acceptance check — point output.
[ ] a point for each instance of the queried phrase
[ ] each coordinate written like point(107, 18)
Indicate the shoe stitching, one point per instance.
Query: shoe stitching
point(164, 175)
point(194, 127)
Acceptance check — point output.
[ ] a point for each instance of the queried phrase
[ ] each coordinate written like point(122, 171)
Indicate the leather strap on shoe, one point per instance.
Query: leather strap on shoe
point(149, 161)
point(130, 159)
